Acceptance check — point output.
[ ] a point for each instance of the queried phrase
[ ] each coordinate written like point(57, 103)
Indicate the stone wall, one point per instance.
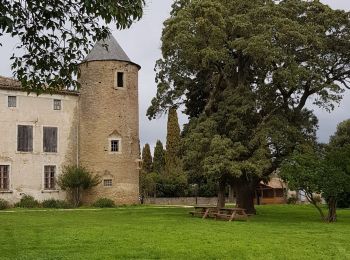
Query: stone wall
point(182, 201)
point(105, 113)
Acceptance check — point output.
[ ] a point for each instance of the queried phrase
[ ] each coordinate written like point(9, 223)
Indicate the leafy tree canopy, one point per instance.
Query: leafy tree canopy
point(285, 50)
point(56, 35)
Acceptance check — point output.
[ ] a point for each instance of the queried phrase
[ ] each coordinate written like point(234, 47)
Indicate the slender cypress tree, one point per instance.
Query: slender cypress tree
point(147, 159)
point(172, 161)
point(159, 158)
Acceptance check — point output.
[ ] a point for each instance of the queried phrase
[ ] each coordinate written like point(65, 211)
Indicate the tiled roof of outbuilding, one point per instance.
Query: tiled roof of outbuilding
point(12, 84)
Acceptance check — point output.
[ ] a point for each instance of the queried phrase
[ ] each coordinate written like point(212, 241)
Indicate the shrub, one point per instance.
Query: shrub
point(4, 204)
point(104, 203)
point(55, 204)
point(75, 180)
point(27, 201)
point(292, 199)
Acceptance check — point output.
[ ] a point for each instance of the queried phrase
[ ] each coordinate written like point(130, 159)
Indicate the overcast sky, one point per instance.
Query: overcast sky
point(142, 44)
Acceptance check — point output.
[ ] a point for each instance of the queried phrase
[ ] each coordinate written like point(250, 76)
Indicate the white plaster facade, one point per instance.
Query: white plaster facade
point(26, 169)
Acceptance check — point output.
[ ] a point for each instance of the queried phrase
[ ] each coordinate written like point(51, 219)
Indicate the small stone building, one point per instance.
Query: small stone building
point(97, 128)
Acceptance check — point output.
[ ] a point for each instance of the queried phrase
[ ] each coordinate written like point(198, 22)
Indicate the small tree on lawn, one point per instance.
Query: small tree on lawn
point(319, 171)
point(75, 180)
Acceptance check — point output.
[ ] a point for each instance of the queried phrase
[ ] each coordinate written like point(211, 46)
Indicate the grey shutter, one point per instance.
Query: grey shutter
point(25, 138)
point(30, 138)
point(50, 139)
point(20, 138)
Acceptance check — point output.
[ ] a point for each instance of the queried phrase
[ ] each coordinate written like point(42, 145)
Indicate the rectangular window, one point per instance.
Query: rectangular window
point(114, 145)
point(4, 177)
point(49, 177)
point(57, 104)
point(25, 138)
point(120, 79)
point(12, 101)
point(108, 183)
point(50, 139)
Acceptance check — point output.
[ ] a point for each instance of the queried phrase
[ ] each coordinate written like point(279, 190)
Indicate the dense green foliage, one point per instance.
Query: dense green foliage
point(104, 203)
point(54, 36)
point(27, 201)
point(322, 170)
point(276, 232)
point(344, 200)
point(159, 158)
point(146, 159)
point(4, 204)
point(55, 204)
point(244, 71)
point(75, 180)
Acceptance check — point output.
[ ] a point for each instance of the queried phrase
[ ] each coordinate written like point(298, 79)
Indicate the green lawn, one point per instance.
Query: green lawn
point(277, 232)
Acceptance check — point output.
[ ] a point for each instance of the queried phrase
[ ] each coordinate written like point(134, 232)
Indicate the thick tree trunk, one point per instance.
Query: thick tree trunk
point(231, 195)
point(245, 190)
point(332, 210)
point(221, 194)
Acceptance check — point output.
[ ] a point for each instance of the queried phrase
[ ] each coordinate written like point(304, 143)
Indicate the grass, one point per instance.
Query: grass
point(277, 232)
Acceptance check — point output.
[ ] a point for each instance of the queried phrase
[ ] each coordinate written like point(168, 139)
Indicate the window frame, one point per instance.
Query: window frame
point(8, 101)
point(54, 104)
point(7, 189)
point(43, 140)
point(50, 178)
point(110, 140)
point(33, 137)
point(116, 79)
point(107, 181)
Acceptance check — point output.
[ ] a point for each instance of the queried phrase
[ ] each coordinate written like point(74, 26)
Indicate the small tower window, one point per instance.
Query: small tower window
point(114, 146)
point(119, 79)
point(12, 101)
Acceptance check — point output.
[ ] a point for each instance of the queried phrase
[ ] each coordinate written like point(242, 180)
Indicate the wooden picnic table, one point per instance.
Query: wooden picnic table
point(204, 211)
point(231, 214)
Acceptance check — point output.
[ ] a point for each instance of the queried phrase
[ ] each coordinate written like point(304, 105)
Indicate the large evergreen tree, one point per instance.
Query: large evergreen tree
point(277, 54)
point(159, 158)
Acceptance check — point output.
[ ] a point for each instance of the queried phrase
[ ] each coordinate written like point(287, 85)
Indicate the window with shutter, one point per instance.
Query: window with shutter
point(25, 138)
point(4, 177)
point(49, 177)
point(50, 139)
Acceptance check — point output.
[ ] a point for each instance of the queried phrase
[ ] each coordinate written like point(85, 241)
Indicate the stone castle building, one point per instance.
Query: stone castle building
point(96, 127)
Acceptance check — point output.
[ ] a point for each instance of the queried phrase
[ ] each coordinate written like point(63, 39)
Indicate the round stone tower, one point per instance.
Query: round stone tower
point(109, 122)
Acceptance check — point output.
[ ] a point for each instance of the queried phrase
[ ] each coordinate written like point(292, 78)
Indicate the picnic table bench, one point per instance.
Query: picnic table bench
point(231, 214)
point(204, 211)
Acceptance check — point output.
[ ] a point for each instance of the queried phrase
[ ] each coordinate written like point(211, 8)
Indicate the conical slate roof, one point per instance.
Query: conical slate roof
point(108, 49)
